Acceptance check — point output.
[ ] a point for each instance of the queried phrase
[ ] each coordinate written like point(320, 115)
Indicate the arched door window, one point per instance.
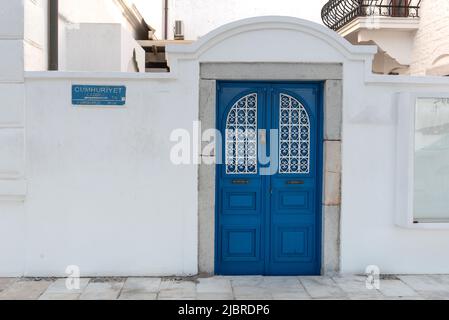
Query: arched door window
point(241, 136)
point(294, 137)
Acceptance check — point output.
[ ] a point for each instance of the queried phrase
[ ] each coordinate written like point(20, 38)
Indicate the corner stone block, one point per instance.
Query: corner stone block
point(207, 111)
point(333, 113)
point(332, 173)
point(206, 227)
point(331, 241)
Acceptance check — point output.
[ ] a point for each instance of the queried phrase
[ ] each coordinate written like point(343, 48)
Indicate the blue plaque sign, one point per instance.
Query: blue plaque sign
point(98, 95)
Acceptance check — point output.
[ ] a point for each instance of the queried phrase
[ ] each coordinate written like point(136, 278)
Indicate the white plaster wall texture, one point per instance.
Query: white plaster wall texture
point(103, 193)
point(398, 44)
point(432, 39)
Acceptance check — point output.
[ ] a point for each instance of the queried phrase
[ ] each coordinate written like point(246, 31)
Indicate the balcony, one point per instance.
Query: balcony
point(337, 14)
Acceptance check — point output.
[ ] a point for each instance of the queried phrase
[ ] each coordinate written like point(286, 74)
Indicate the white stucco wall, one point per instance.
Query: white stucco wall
point(102, 193)
point(101, 187)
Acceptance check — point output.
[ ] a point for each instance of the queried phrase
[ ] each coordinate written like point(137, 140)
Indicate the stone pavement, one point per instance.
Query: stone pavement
point(229, 288)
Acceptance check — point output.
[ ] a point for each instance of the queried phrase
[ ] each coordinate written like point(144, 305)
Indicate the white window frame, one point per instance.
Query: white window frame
point(405, 159)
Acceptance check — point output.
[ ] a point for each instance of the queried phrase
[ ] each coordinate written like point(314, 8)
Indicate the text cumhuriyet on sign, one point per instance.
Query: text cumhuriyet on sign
point(96, 95)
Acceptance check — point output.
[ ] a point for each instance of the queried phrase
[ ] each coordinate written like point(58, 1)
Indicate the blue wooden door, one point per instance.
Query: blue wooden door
point(268, 219)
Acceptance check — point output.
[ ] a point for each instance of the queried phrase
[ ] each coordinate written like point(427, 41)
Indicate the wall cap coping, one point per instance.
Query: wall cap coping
point(404, 79)
point(68, 75)
point(380, 23)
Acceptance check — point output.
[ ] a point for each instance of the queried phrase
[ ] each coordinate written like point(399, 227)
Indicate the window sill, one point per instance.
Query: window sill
point(427, 226)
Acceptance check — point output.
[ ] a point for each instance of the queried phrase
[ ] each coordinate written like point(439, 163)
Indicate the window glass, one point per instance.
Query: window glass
point(431, 179)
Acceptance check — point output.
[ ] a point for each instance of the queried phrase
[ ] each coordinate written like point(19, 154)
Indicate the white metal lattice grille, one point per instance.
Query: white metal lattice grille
point(241, 136)
point(294, 137)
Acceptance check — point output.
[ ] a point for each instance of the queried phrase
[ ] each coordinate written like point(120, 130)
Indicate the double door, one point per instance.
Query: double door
point(268, 210)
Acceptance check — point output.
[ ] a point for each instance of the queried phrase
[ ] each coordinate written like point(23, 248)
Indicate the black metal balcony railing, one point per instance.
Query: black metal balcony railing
point(338, 13)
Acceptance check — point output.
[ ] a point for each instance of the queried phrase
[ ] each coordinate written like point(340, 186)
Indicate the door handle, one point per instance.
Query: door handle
point(295, 182)
point(240, 181)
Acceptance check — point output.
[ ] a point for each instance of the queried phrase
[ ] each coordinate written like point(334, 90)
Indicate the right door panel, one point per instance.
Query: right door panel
point(294, 218)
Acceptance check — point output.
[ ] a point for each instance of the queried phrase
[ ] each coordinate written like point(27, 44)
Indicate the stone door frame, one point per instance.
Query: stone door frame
point(332, 76)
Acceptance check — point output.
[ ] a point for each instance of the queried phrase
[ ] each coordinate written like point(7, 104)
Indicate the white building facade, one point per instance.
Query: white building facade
point(96, 186)
point(412, 41)
point(411, 35)
point(107, 29)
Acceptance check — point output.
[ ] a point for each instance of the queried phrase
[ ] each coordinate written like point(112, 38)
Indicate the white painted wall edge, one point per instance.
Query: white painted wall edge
point(371, 79)
point(404, 79)
point(60, 75)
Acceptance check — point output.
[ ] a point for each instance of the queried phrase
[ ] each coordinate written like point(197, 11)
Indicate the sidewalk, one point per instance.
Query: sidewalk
point(229, 288)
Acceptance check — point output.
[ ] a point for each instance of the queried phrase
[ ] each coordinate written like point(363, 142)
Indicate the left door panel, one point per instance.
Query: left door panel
point(240, 206)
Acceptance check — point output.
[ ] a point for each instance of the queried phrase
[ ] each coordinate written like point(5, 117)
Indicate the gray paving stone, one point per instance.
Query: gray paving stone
point(140, 289)
point(138, 296)
point(298, 295)
point(102, 290)
point(443, 280)
point(60, 296)
point(435, 287)
point(321, 287)
point(214, 286)
point(284, 288)
point(59, 287)
point(359, 297)
point(214, 296)
point(333, 298)
point(142, 285)
point(254, 297)
point(246, 281)
point(6, 282)
point(250, 291)
point(396, 288)
point(281, 283)
point(351, 284)
point(177, 290)
point(355, 287)
point(405, 298)
point(424, 284)
point(25, 290)
point(176, 295)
